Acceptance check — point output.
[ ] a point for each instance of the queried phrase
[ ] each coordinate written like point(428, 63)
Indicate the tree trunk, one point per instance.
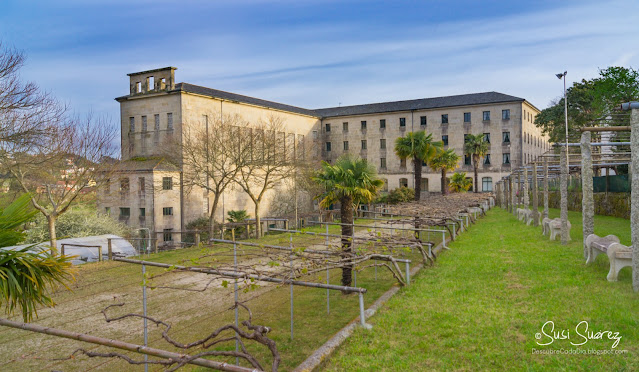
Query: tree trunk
point(444, 188)
point(418, 177)
point(258, 225)
point(53, 241)
point(216, 200)
point(476, 160)
point(346, 214)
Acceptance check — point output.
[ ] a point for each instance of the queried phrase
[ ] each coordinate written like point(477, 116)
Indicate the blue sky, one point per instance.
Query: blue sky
point(319, 53)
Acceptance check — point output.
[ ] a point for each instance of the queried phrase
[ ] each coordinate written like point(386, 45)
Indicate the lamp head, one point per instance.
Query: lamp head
point(559, 76)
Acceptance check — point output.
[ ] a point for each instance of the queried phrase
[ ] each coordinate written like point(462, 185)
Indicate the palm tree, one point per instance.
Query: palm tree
point(459, 182)
point(350, 181)
point(476, 146)
point(444, 161)
point(26, 277)
point(420, 147)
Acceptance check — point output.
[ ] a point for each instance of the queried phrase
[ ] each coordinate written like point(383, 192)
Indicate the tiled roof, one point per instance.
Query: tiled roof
point(419, 104)
point(186, 87)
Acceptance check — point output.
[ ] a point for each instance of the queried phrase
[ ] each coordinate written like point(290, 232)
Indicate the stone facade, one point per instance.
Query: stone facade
point(157, 109)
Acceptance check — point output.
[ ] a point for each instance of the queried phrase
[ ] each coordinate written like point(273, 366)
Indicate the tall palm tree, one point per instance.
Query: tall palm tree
point(476, 146)
point(420, 147)
point(26, 277)
point(350, 181)
point(444, 161)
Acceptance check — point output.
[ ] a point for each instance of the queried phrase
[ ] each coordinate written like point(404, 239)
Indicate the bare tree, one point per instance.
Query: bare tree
point(265, 155)
point(207, 155)
point(26, 113)
point(61, 165)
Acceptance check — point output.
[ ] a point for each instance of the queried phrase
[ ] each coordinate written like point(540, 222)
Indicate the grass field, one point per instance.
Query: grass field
point(482, 305)
point(192, 314)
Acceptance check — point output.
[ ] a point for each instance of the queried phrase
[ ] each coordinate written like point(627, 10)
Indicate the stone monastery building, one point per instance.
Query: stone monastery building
point(148, 193)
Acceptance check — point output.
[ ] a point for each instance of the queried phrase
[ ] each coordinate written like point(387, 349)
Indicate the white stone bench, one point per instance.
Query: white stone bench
point(520, 213)
point(545, 225)
point(555, 228)
point(619, 255)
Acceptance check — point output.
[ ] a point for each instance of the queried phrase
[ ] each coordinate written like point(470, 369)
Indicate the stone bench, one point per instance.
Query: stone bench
point(520, 214)
point(554, 227)
point(619, 255)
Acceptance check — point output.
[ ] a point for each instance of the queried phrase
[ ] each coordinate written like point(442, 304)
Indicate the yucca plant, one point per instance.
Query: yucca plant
point(459, 182)
point(26, 278)
point(351, 182)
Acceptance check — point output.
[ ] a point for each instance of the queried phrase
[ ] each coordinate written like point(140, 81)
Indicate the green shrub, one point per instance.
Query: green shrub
point(459, 182)
point(398, 195)
point(75, 223)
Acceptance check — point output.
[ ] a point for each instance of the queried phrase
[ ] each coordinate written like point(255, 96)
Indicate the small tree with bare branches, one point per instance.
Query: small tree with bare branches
point(206, 153)
point(62, 165)
point(265, 156)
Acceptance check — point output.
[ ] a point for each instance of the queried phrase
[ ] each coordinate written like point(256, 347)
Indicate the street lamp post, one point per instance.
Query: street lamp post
point(563, 76)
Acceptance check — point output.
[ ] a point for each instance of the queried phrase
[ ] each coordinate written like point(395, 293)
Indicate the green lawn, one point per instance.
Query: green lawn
point(480, 307)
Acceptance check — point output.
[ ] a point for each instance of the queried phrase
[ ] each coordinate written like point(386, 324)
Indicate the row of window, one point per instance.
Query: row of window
point(156, 122)
point(467, 161)
point(505, 136)
point(125, 212)
point(505, 115)
point(487, 183)
point(125, 185)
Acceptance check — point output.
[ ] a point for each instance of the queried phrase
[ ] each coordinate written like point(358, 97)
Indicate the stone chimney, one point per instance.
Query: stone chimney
point(152, 81)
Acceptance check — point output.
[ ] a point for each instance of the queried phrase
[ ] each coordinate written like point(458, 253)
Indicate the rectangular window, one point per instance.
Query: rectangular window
point(125, 212)
point(315, 136)
point(107, 211)
point(382, 123)
point(382, 143)
point(505, 114)
point(168, 235)
point(487, 159)
point(167, 211)
point(445, 119)
point(467, 159)
point(328, 146)
point(382, 163)
point(345, 145)
point(487, 137)
point(344, 127)
point(167, 183)
point(506, 157)
point(141, 185)
point(486, 116)
point(156, 118)
point(422, 120)
point(124, 184)
point(107, 186)
point(363, 124)
point(142, 212)
point(328, 128)
point(465, 138)
point(363, 144)
point(144, 124)
point(402, 164)
point(445, 139)
point(487, 184)
point(505, 137)
point(169, 120)
point(466, 117)
point(131, 124)
point(402, 122)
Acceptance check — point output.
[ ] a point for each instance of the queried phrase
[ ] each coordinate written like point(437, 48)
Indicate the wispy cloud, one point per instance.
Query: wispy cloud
point(320, 54)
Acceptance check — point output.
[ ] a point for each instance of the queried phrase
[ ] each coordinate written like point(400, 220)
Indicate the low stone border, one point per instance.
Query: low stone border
point(315, 360)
